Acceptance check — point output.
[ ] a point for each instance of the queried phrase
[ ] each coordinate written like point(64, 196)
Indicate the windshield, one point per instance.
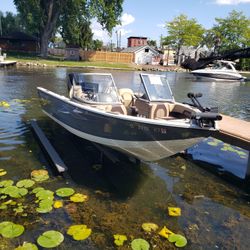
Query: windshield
point(101, 87)
point(157, 88)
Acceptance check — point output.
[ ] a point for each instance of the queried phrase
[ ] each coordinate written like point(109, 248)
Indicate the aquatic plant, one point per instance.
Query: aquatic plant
point(6, 183)
point(2, 172)
point(119, 239)
point(79, 232)
point(10, 230)
point(165, 232)
point(58, 204)
point(27, 246)
point(26, 183)
point(4, 104)
point(179, 240)
point(50, 239)
point(14, 191)
point(39, 175)
point(65, 192)
point(140, 244)
point(174, 211)
point(149, 227)
point(78, 197)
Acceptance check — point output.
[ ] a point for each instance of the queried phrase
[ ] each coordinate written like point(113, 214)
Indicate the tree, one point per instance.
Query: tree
point(183, 32)
point(97, 44)
point(43, 17)
point(233, 31)
point(9, 22)
point(151, 43)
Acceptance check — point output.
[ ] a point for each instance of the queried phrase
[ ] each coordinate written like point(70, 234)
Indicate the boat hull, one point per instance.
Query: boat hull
point(142, 138)
point(219, 76)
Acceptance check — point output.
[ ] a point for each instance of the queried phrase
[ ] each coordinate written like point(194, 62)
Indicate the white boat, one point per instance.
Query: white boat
point(220, 71)
point(149, 124)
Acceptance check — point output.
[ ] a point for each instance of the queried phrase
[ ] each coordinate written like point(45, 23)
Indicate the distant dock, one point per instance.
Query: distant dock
point(7, 63)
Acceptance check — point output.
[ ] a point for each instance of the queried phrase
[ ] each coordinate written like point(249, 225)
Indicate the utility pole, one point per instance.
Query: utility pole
point(1, 30)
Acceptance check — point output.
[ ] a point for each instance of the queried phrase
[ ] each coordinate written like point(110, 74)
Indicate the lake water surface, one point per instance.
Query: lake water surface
point(215, 212)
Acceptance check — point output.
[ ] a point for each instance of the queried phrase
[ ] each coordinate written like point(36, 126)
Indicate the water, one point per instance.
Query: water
point(215, 212)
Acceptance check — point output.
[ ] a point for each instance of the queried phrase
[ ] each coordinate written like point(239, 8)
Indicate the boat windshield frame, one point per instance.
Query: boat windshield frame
point(156, 88)
point(101, 85)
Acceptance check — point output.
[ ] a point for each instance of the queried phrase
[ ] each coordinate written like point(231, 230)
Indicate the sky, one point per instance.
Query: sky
point(147, 18)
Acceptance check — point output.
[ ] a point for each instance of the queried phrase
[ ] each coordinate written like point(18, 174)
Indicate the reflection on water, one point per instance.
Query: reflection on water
point(124, 194)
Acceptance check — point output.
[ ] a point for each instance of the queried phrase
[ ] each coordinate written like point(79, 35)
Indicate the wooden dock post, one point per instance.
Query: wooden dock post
point(57, 161)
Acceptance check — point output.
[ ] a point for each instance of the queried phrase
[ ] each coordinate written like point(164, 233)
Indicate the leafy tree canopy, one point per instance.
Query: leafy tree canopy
point(183, 31)
point(44, 17)
point(232, 31)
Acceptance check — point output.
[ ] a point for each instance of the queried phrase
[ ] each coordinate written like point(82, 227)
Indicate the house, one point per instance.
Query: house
point(168, 57)
point(19, 42)
point(135, 41)
point(144, 54)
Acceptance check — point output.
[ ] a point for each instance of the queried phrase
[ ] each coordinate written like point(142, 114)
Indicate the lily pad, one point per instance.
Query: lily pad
point(119, 239)
point(6, 183)
point(26, 183)
point(11, 230)
point(179, 240)
point(2, 172)
point(165, 232)
point(37, 189)
point(39, 175)
point(149, 227)
point(78, 197)
point(14, 191)
point(79, 232)
point(140, 244)
point(27, 246)
point(65, 192)
point(174, 211)
point(45, 194)
point(50, 239)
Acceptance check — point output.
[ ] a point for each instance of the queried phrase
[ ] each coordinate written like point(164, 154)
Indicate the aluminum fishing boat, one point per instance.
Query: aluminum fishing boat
point(220, 71)
point(147, 124)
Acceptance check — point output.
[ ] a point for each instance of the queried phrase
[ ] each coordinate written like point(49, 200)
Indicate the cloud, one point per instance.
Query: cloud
point(127, 19)
point(103, 35)
point(231, 2)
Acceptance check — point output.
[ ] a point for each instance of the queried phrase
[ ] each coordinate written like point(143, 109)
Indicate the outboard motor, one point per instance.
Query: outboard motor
point(208, 116)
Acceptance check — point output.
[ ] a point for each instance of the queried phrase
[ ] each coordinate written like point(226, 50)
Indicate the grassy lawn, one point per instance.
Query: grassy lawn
point(59, 62)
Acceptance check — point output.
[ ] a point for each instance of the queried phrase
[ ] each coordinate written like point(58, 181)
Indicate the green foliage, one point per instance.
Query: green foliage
point(152, 43)
point(65, 192)
point(27, 246)
point(10, 23)
point(184, 31)
point(140, 244)
point(10, 230)
point(79, 232)
point(179, 240)
point(233, 31)
point(50, 239)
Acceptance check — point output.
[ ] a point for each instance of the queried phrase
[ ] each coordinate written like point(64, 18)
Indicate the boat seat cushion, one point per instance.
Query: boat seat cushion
point(127, 96)
point(152, 110)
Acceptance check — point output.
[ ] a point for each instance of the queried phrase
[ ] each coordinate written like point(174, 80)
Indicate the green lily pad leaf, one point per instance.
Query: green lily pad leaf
point(3, 206)
point(50, 239)
point(6, 183)
point(39, 175)
point(44, 209)
point(79, 232)
point(65, 192)
point(180, 241)
point(26, 183)
point(149, 227)
point(37, 189)
point(119, 239)
point(140, 244)
point(4, 224)
point(2, 172)
point(45, 194)
point(12, 230)
point(27, 246)
point(14, 191)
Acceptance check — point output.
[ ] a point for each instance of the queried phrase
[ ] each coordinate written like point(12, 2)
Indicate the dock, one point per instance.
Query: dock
point(236, 132)
point(7, 63)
